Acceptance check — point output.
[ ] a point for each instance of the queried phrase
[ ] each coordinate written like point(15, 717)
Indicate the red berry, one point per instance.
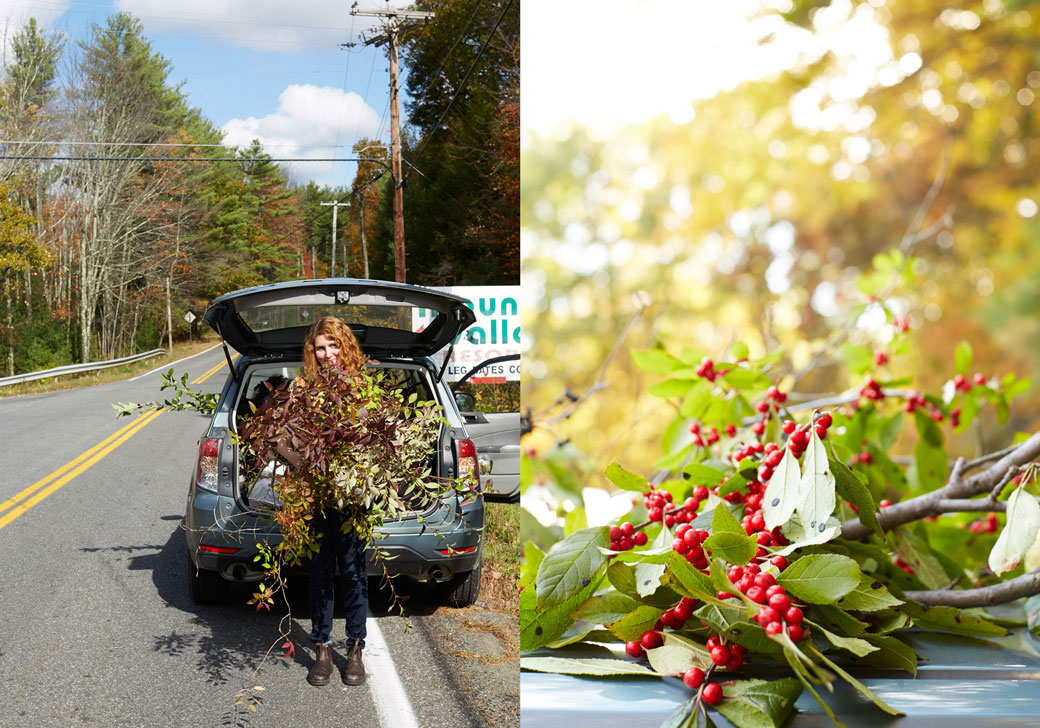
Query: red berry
point(669, 521)
point(766, 615)
point(793, 616)
point(735, 573)
point(654, 514)
point(763, 538)
point(774, 589)
point(625, 544)
point(779, 562)
point(634, 649)
point(821, 431)
point(885, 503)
point(825, 419)
point(711, 693)
point(700, 492)
point(880, 358)
point(694, 678)
point(795, 632)
point(667, 620)
point(765, 580)
point(780, 602)
point(735, 661)
point(731, 430)
point(639, 538)
point(712, 642)
point(774, 628)
point(651, 639)
point(788, 426)
point(720, 655)
point(627, 528)
point(979, 379)
point(680, 546)
point(615, 533)
point(758, 428)
point(682, 611)
point(756, 594)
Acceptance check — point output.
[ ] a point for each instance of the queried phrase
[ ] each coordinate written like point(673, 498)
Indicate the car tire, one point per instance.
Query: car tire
point(205, 586)
point(462, 589)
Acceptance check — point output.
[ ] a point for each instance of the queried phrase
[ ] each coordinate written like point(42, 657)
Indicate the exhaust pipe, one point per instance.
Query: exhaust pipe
point(239, 571)
point(437, 574)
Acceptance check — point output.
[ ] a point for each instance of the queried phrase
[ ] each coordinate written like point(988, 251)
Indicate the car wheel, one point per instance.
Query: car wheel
point(205, 586)
point(462, 589)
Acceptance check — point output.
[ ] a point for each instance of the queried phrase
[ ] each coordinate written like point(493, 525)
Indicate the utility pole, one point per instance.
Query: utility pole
point(397, 21)
point(335, 209)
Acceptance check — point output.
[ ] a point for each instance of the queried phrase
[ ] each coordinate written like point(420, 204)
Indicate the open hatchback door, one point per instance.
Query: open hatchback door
point(272, 320)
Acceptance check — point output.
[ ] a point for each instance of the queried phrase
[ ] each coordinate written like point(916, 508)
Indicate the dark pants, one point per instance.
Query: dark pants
point(348, 551)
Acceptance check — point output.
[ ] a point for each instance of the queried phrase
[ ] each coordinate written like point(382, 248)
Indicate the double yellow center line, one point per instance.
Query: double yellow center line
point(14, 507)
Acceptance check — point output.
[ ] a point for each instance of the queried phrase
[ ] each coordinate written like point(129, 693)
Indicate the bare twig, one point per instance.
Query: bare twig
point(597, 386)
point(1005, 591)
point(959, 488)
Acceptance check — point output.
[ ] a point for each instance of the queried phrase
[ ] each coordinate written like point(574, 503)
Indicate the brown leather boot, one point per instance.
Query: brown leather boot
point(321, 670)
point(354, 670)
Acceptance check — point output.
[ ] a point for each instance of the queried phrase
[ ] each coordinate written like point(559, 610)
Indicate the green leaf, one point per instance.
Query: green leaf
point(760, 703)
point(635, 623)
point(863, 689)
point(820, 578)
point(532, 560)
point(962, 357)
point(569, 568)
point(673, 461)
point(723, 521)
point(1020, 530)
point(697, 401)
point(840, 619)
point(854, 645)
point(782, 493)
point(870, 595)
point(686, 580)
point(677, 655)
point(859, 359)
point(572, 666)
point(917, 553)
point(743, 379)
point(891, 653)
point(699, 474)
point(735, 548)
point(656, 360)
point(849, 487)
point(739, 350)
point(626, 480)
point(648, 573)
point(816, 497)
point(574, 521)
point(606, 608)
point(539, 627)
point(890, 429)
point(930, 464)
point(950, 619)
point(671, 388)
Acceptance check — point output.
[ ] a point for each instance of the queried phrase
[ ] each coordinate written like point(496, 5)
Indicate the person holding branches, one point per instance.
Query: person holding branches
point(330, 343)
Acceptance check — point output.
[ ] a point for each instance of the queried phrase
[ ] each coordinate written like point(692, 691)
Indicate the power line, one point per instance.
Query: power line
point(164, 144)
point(190, 159)
point(462, 84)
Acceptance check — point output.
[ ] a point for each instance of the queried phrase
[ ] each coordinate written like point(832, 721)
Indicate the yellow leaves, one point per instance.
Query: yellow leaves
point(19, 249)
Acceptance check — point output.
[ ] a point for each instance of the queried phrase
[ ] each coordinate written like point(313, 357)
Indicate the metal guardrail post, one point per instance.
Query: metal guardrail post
point(78, 368)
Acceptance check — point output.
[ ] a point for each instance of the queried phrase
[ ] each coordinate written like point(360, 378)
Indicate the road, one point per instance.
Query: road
point(96, 627)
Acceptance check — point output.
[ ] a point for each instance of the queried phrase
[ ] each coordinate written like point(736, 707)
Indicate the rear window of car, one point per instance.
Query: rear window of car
point(266, 318)
point(493, 396)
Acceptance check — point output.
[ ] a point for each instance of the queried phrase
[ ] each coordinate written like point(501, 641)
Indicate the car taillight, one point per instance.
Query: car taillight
point(469, 471)
point(206, 475)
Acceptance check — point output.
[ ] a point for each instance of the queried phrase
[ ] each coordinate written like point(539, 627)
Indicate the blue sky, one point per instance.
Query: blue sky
point(267, 69)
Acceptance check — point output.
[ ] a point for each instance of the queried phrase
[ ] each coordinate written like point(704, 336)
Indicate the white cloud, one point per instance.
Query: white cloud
point(15, 13)
point(259, 24)
point(305, 125)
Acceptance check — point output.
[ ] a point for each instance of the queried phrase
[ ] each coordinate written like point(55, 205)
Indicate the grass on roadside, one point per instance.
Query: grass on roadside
point(501, 564)
point(89, 379)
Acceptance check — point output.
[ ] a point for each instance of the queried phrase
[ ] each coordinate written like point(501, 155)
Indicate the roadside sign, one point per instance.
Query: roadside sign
point(189, 317)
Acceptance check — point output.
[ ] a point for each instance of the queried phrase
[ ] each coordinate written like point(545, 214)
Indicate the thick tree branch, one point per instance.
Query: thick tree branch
point(957, 488)
point(986, 596)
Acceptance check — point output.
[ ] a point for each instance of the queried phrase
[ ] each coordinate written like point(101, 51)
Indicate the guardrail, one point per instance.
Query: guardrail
point(78, 368)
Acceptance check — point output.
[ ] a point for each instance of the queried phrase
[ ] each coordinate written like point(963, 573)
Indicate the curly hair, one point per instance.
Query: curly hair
point(350, 357)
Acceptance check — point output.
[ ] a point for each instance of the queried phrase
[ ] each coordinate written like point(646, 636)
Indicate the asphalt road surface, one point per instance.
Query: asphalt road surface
point(96, 626)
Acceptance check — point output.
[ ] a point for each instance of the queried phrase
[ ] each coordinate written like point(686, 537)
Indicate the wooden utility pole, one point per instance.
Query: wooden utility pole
point(335, 209)
point(397, 22)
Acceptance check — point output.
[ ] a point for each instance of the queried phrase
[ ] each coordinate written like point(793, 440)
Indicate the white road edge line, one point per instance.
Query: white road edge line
point(390, 697)
point(166, 366)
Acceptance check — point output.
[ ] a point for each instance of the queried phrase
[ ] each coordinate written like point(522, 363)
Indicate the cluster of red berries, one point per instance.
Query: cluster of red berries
point(880, 357)
point(902, 323)
point(710, 693)
point(871, 390)
point(915, 400)
point(625, 537)
point(754, 524)
point(798, 435)
point(710, 437)
point(777, 613)
point(656, 503)
point(659, 506)
point(706, 369)
point(863, 457)
point(689, 542)
point(989, 525)
point(961, 383)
